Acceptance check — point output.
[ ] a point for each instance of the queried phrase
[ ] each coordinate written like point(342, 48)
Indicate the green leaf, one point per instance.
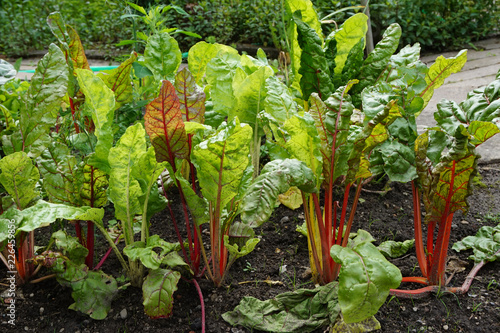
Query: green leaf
point(92, 184)
point(485, 244)
point(158, 290)
point(378, 59)
point(236, 252)
point(304, 143)
point(94, 294)
point(44, 213)
point(220, 72)
point(58, 28)
point(100, 101)
point(482, 131)
point(164, 125)
point(303, 310)
point(120, 81)
point(278, 101)
point(76, 51)
point(368, 325)
point(198, 206)
point(313, 65)
point(276, 178)
point(19, 177)
point(250, 94)
point(346, 37)
point(40, 105)
point(191, 97)
point(153, 253)
point(58, 169)
point(393, 249)
point(200, 55)
point(365, 278)
point(399, 161)
point(70, 246)
point(162, 56)
point(221, 161)
point(124, 190)
point(439, 71)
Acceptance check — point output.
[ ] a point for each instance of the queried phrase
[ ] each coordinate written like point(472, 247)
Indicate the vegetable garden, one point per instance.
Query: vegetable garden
point(180, 187)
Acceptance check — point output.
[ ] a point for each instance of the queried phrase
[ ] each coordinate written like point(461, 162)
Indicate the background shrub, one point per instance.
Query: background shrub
point(23, 25)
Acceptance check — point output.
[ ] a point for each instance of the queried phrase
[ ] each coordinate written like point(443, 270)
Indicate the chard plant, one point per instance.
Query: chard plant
point(445, 163)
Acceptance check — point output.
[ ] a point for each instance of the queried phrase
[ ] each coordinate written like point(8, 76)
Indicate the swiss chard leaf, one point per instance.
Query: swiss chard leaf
point(154, 252)
point(365, 278)
point(313, 65)
point(200, 55)
point(485, 244)
point(164, 125)
point(276, 178)
point(158, 290)
point(120, 81)
point(221, 161)
point(191, 97)
point(162, 56)
point(303, 310)
point(19, 177)
point(100, 102)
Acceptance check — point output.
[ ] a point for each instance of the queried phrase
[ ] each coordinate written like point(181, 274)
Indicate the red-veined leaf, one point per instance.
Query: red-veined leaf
point(191, 97)
point(164, 125)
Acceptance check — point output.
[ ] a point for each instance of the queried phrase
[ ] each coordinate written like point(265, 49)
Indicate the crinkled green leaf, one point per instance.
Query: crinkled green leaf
point(439, 71)
point(40, 106)
point(236, 251)
point(313, 65)
point(304, 143)
point(100, 101)
point(76, 51)
point(368, 325)
point(158, 290)
point(365, 278)
point(120, 81)
point(153, 253)
point(309, 17)
point(452, 179)
point(58, 169)
point(346, 37)
point(279, 101)
point(482, 131)
point(72, 248)
point(58, 28)
point(163, 122)
point(291, 198)
point(191, 97)
point(353, 63)
point(393, 249)
point(399, 161)
point(221, 161)
point(162, 56)
point(485, 244)
point(276, 178)
point(124, 190)
point(94, 294)
point(220, 73)
point(93, 184)
point(249, 95)
point(378, 59)
point(198, 206)
point(19, 177)
point(201, 54)
point(303, 310)
point(43, 213)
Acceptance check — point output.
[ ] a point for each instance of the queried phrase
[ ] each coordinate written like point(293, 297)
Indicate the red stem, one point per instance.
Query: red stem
point(311, 240)
point(202, 303)
point(342, 215)
point(72, 106)
point(416, 279)
point(89, 260)
point(419, 241)
point(106, 255)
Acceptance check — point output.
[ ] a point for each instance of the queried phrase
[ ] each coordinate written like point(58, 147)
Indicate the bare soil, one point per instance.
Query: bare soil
point(43, 307)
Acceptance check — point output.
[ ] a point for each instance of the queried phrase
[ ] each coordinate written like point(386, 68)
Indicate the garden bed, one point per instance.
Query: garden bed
point(43, 307)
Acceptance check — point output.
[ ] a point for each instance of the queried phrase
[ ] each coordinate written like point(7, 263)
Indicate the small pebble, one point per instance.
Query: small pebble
point(123, 314)
point(31, 295)
point(41, 311)
point(61, 330)
point(445, 327)
point(284, 219)
point(415, 309)
point(26, 328)
point(464, 222)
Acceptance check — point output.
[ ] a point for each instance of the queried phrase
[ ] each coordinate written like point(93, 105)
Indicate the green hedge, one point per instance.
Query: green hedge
point(23, 24)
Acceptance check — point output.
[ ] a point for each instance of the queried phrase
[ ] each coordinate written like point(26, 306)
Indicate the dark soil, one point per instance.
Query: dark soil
point(43, 307)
